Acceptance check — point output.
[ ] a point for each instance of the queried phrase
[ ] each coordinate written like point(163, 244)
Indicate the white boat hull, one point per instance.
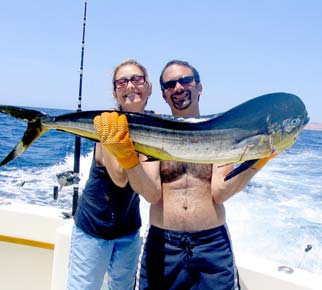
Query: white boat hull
point(34, 251)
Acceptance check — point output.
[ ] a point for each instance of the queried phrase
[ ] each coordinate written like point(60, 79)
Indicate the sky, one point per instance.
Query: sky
point(242, 49)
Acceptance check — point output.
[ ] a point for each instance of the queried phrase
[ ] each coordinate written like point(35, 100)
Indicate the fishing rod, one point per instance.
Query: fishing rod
point(79, 108)
point(72, 177)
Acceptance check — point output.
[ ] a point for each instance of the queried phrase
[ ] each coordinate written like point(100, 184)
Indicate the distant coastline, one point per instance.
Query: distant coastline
point(314, 126)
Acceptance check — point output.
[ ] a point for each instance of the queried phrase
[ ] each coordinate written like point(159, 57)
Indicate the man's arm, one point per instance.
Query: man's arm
point(222, 190)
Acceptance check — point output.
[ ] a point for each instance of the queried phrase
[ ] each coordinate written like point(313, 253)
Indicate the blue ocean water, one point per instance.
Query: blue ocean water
point(276, 217)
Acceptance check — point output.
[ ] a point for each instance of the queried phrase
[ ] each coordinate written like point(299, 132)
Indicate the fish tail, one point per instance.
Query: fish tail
point(33, 132)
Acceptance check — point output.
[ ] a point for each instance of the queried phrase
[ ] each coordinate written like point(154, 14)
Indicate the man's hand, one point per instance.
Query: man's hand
point(113, 131)
point(261, 162)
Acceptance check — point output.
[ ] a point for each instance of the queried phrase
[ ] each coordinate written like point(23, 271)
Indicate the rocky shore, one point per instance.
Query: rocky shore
point(314, 126)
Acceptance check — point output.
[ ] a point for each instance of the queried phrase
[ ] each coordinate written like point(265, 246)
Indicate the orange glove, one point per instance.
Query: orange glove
point(113, 131)
point(261, 162)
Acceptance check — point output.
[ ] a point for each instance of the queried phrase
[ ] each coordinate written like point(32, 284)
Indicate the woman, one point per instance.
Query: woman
point(106, 236)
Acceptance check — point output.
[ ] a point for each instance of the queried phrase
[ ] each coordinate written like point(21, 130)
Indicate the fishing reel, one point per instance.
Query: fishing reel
point(65, 178)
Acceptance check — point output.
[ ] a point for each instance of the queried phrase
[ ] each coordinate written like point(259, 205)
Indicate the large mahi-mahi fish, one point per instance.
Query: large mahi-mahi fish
point(250, 131)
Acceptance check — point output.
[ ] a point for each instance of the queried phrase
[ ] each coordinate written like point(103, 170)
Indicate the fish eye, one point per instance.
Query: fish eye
point(290, 124)
point(295, 121)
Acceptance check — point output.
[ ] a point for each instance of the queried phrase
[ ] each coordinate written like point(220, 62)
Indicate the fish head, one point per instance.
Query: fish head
point(285, 131)
point(295, 124)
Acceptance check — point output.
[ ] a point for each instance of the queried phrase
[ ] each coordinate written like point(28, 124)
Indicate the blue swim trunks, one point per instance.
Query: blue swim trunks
point(187, 260)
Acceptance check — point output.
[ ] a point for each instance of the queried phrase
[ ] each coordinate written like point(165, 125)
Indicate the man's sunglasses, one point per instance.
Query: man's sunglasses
point(135, 80)
point(182, 81)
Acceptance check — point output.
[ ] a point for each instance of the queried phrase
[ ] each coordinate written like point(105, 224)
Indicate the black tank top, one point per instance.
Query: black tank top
point(105, 210)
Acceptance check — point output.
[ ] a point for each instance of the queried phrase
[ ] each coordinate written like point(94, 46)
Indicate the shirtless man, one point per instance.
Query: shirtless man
point(188, 244)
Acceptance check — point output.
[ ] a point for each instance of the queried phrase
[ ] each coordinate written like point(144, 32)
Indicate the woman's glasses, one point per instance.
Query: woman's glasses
point(182, 81)
point(135, 80)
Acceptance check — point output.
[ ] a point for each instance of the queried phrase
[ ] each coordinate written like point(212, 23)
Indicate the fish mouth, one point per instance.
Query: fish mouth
point(306, 121)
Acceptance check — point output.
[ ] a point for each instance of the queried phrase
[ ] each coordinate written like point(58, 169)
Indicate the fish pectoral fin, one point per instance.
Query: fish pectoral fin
point(150, 158)
point(241, 168)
